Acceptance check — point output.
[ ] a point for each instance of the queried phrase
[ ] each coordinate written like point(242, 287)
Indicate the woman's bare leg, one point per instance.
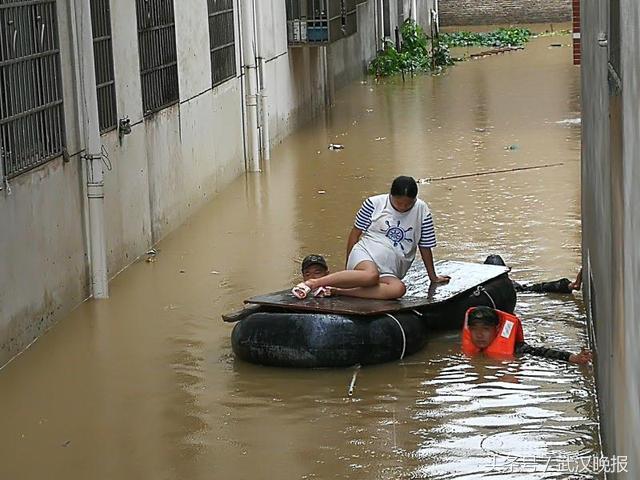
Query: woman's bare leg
point(365, 275)
point(388, 288)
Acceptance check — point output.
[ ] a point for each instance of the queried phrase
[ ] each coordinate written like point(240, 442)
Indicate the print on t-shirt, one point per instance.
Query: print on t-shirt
point(397, 234)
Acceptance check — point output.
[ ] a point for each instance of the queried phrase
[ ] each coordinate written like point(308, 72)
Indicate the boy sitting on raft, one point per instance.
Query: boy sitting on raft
point(497, 333)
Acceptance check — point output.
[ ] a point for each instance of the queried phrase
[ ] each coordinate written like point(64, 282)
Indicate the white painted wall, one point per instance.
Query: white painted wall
point(171, 163)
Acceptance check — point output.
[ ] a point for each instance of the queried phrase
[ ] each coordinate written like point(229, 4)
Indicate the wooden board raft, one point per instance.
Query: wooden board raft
point(464, 277)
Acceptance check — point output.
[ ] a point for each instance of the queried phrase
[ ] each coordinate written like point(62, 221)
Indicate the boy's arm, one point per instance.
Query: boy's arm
point(427, 258)
point(582, 358)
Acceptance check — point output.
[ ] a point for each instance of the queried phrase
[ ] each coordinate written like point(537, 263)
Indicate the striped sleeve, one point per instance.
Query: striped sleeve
point(363, 217)
point(427, 232)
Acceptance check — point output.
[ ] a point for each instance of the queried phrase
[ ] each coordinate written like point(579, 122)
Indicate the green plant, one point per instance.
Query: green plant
point(414, 55)
point(442, 55)
point(388, 62)
point(503, 37)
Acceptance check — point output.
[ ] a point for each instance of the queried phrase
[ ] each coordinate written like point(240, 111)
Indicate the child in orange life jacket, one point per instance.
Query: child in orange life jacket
point(498, 333)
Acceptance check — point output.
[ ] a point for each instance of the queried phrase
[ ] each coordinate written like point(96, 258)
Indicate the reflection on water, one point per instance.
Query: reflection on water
point(145, 385)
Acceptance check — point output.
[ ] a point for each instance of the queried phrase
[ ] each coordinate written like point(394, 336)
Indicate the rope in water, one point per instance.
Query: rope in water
point(404, 337)
point(480, 290)
point(490, 172)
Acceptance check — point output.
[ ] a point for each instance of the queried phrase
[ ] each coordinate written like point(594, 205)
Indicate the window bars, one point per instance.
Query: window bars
point(31, 114)
point(319, 22)
point(158, 56)
point(103, 53)
point(221, 40)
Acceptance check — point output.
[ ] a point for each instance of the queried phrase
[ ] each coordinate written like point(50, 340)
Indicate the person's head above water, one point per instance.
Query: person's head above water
point(495, 260)
point(404, 191)
point(314, 266)
point(483, 325)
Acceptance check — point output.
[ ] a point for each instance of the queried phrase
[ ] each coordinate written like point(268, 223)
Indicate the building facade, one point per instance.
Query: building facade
point(98, 164)
point(610, 40)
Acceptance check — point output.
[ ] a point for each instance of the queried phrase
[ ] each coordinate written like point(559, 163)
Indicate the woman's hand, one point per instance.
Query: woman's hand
point(440, 279)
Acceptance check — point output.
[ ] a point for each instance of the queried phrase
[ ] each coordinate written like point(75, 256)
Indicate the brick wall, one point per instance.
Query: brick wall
point(576, 32)
point(488, 12)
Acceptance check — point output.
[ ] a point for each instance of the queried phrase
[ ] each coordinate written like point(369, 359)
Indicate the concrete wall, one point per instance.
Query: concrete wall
point(611, 224)
point(172, 162)
point(495, 12)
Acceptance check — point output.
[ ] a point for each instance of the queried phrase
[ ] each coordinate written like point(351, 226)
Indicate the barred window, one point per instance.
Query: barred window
point(158, 56)
point(103, 53)
point(221, 40)
point(31, 115)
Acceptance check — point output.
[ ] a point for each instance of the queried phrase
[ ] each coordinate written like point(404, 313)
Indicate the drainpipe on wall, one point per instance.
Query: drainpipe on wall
point(90, 127)
point(251, 81)
point(436, 15)
point(414, 10)
point(380, 24)
point(264, 105)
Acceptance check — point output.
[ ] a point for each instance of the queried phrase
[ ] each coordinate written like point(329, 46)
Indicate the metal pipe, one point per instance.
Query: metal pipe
point(251, 81)
point(380, 24)
point(88, 115)
point(414, 10)
point(264, 104)
point(436, 16)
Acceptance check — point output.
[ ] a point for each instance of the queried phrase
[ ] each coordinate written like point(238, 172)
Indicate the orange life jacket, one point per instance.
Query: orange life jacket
point(509, 333)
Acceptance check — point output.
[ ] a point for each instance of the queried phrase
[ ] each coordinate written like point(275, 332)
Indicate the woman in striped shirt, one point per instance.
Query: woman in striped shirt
point(388, 231)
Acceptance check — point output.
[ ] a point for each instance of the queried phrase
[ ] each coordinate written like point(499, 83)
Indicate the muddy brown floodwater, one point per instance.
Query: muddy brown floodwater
point(145, 385)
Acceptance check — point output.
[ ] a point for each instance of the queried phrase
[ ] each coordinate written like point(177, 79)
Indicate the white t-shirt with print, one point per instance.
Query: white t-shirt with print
point(390, 237)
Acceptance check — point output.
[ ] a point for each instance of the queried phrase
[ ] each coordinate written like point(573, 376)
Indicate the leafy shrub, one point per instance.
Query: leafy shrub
point(414, 56)
point(503, 37)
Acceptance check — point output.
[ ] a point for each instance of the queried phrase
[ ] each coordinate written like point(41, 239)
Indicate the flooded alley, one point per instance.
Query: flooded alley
point(145, 385)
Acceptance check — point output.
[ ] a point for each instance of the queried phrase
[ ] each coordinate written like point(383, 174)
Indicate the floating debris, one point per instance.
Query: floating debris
point(151, 255)
point(336, 146)
point(379, 139)
point(353, 380)
point(496, 51)
point(512, 147)
point(570, 121)
point(322, 192)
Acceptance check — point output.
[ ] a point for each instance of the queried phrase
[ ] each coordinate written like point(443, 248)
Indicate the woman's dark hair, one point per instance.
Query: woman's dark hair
point(404, 187)
point(483, 315)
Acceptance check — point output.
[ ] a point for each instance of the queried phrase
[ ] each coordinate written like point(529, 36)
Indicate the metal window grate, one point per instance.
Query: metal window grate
point(31, 115)
point(158, 56)
point(222, 40)
point(103, 53)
